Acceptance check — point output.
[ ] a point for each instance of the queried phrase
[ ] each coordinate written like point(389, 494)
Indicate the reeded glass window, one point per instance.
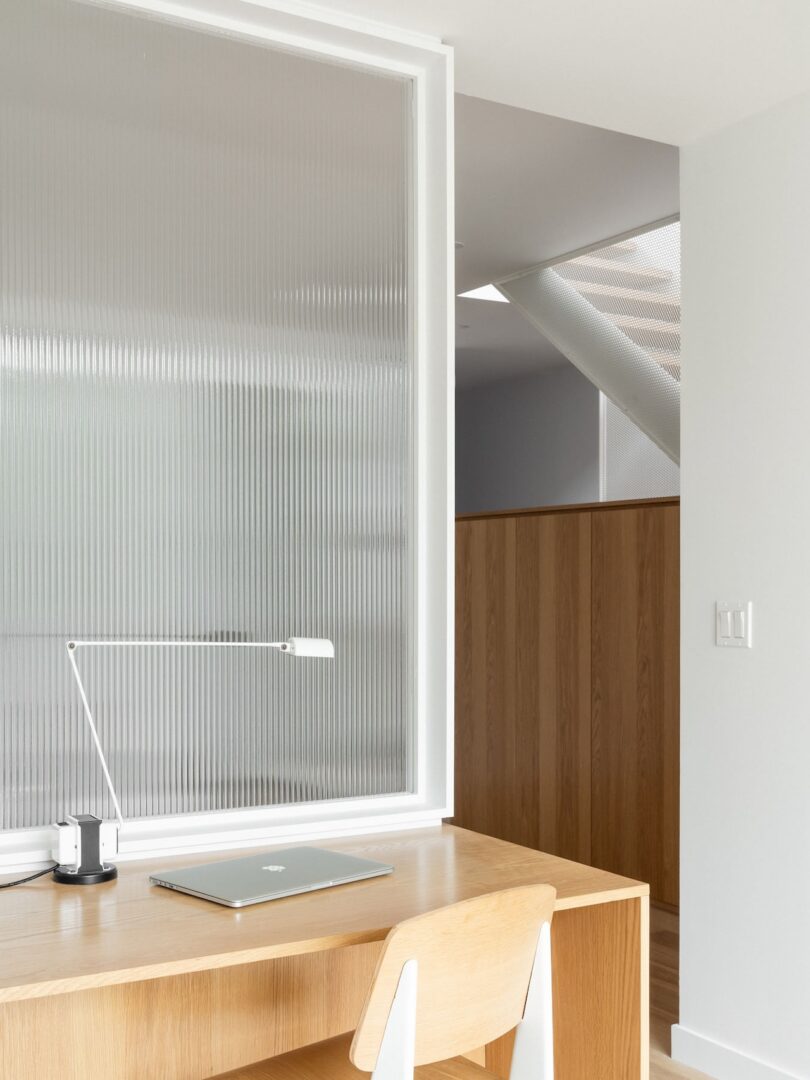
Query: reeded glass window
point(206, 417)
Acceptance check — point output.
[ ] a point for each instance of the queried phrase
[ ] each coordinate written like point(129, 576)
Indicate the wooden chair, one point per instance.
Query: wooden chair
point(446, 983)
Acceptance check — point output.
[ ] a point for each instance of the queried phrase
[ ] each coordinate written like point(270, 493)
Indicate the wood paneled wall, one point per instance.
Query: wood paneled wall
point(523, 702)
point(635, 695)
point(567, 673)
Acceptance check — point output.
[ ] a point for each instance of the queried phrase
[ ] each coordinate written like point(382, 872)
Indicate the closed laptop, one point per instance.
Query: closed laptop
point(270, 875)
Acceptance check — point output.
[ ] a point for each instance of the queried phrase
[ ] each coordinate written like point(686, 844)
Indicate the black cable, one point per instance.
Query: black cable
point(31, 877)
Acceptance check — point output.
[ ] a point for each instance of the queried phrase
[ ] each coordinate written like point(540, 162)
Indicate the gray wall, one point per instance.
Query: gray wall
point(529, 441)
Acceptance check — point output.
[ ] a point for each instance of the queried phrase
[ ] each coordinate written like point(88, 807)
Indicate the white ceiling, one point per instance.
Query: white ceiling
point(671, 72)
point(530, 188)
point(494, 341)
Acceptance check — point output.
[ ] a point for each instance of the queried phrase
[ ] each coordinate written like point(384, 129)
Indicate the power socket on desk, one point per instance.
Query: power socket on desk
point(84, 846)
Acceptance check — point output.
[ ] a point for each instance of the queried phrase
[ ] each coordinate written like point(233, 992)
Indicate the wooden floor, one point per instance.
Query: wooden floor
point(664, 996)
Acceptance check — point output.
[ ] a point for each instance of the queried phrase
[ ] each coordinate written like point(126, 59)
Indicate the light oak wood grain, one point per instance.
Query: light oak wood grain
point(194, 1026)
point(598, 972)
point(330, 1061)
point(109, 944)
point(474, 963)
point(662, 948)
point(55, 938)
point(187, 1027)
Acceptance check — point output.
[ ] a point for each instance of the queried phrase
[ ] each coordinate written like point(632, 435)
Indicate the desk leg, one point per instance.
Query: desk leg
point(601, 995)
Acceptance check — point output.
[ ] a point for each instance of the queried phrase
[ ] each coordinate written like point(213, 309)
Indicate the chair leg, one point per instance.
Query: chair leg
point(396, 1058)
point(533, 1056)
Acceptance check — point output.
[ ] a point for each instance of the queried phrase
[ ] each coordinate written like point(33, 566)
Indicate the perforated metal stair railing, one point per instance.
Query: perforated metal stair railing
point(615, 313)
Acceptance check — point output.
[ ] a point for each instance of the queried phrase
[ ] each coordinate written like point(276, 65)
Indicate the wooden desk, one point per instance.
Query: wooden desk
point(127, 980)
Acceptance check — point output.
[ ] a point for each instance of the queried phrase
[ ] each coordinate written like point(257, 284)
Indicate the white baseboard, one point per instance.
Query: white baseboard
point(719, 1061)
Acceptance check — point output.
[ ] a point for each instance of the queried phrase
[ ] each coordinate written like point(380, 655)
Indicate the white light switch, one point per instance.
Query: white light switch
point(733, 624)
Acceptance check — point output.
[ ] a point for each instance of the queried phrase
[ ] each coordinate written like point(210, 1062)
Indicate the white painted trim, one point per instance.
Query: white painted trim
point(723, 1062)
point(602, 447)
point(449, 412)
point(296, 26)
point(357, 23)
point(313, 30)
point(30, 849)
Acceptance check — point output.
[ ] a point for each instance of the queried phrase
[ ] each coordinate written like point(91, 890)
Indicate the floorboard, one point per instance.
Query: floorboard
point(664, 996)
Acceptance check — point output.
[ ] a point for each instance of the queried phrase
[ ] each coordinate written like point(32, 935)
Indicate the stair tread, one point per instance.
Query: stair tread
point(627, 292)
point(596, 263)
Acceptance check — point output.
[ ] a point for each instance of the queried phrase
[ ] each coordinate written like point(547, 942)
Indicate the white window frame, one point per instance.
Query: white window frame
point(302, 27)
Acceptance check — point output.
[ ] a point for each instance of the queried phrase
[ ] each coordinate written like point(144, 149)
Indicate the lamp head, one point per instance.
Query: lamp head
point(309, 646)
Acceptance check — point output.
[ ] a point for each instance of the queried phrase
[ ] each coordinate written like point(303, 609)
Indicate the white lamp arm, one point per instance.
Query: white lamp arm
point(295, 646)
point(71, 647)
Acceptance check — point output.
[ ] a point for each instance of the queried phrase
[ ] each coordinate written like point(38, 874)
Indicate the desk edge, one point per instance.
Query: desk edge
point(117, 977)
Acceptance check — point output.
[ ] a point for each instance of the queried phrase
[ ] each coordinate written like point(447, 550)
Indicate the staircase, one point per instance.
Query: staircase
point(615, 312)
point(628, 284)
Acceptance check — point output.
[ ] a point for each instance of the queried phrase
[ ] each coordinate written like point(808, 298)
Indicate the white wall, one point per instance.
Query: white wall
point(528, 441)
point(745, 893)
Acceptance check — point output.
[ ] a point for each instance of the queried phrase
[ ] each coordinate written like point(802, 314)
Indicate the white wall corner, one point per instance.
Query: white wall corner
point(745, 739)
point(722, 1062)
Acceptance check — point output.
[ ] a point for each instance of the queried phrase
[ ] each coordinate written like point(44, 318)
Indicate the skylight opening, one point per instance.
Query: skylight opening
point(484, 292)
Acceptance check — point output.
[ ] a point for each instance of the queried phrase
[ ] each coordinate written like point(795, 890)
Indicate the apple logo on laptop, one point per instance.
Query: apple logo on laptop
point(274, 869)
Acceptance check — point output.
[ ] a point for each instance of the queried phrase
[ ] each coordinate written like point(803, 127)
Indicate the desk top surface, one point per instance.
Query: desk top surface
point(59, 938)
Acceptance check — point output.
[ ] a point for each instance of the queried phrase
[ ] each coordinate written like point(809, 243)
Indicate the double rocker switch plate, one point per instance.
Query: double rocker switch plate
point(733, 624)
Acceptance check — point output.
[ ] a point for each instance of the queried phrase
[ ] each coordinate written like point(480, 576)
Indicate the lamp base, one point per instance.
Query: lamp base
point(64, 876)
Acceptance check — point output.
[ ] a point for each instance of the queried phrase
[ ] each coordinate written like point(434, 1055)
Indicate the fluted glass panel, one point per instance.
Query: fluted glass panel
point(206, 417)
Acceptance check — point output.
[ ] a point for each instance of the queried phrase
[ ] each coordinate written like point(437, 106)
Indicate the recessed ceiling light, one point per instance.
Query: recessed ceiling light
point(486, 292)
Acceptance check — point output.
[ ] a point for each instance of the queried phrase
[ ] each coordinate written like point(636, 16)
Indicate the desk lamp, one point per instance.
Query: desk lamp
point(83, 839)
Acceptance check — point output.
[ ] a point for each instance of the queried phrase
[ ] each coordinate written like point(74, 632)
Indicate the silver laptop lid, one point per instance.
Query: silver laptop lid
point(270, 875)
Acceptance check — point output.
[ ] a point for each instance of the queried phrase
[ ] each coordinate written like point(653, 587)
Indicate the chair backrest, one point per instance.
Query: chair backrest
point(474, 961)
